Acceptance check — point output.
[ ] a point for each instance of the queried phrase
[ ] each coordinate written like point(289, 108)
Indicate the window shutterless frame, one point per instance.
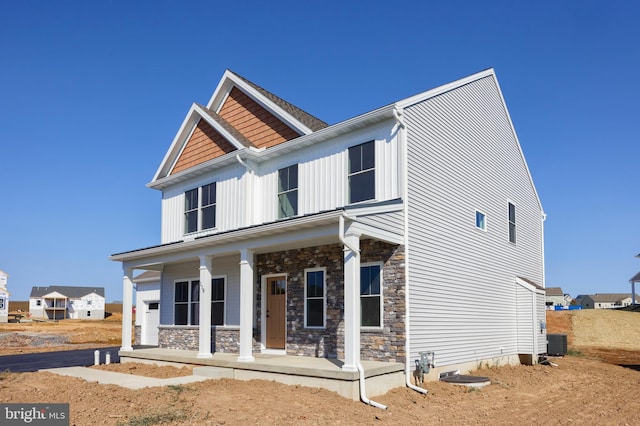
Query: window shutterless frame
point(481, 220)
point(512, 222)
point(315, 297)
point(362, 172)
point(200, 208)
point(218, 300)
point(371, 296)
point(288, 192)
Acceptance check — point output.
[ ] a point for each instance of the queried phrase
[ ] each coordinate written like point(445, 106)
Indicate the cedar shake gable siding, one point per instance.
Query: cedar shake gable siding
point(304, 117)
point(204, 144)
point(262, 128)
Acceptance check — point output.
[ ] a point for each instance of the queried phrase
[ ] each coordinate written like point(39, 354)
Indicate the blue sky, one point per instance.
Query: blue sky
point(92, 93)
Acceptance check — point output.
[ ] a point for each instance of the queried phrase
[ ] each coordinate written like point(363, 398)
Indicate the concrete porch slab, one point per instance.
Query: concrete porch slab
point(380, 377)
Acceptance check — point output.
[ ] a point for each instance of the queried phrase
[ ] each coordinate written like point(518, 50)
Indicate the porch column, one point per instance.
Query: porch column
point(204, 342)
point(246, 306)
point(351, 303)
point(127, 308)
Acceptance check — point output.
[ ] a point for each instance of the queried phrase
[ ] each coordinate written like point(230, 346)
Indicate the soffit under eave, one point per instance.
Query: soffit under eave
point(195, 114)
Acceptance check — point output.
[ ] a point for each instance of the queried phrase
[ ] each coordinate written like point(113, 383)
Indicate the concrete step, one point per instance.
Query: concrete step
point(214, 372)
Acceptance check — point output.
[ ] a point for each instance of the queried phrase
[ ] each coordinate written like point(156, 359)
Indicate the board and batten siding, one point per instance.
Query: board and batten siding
point(228, 265)
point(463, 156)
point(322, 184)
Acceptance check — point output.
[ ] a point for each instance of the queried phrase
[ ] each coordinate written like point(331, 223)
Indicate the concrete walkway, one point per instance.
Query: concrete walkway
point(124, 380)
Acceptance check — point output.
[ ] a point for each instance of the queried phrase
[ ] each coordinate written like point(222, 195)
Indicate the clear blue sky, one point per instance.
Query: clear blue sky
point(92, 94)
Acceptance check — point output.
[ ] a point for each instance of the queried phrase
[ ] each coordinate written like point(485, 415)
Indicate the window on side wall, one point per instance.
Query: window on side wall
point(481, 220)
point(512, 223)
point(200, 208)
point(1, 302)
point(362, 174)
point(217, 300)
point(187, 303)
point(371, 295)
point(314, 297)
point(288, 191)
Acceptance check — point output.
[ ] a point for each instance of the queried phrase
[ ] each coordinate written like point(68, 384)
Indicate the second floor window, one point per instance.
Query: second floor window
point(362, 175)
point(288, 191)
point(200, 208)
point(512, 223)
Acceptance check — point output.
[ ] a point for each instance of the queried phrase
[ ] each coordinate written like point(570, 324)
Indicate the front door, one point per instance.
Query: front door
point(276, 312)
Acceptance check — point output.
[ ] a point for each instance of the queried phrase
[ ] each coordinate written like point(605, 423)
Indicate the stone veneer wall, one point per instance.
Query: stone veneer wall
point(225, 339)
point(386, 344)
point(137, 335)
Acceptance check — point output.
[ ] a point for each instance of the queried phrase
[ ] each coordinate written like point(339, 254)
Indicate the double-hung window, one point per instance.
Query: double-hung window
point(314, 297)
point(217, 300)
point(187, 303)
point(200, 208)
point(512, 223)
point(288, 191)
point(362, 176)
point(371, 295)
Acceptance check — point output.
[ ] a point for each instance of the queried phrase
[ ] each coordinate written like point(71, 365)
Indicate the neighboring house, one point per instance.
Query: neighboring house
point(66, 302)
point(635, 279)
point(554, 296)
point(4, 297)
point(605, 300)
point(353, 241)
point(147, 308)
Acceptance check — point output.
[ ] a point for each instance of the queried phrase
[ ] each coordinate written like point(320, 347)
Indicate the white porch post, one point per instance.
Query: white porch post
point(351, 303)
point(204, 342)
point(246, 306)
point(127, 308)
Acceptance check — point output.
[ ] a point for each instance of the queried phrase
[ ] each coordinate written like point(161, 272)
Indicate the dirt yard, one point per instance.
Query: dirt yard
point(581, 389)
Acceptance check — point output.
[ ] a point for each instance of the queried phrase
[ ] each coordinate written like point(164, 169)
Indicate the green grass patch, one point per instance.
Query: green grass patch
point(154, 419)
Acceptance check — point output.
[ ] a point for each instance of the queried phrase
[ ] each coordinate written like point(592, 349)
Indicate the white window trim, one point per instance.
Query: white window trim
point(475, 220)
point(324, 298)
point(224, 301)
point(199, 210)
point(515, 223)
point(381, 326)
point(189, 302)
point(348, 175)
point(278, 193)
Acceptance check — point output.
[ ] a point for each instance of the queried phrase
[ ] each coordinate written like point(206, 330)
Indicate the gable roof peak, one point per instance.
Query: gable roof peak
point(296, 117)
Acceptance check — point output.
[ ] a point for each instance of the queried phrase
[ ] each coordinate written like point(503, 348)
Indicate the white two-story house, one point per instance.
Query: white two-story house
point(415, 227)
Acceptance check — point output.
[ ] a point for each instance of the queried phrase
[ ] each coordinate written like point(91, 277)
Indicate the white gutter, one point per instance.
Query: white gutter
point(363, 391)
point(405, 191)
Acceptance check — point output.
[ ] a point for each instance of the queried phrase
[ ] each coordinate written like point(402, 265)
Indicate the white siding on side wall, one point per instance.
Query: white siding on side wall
point(463, 157)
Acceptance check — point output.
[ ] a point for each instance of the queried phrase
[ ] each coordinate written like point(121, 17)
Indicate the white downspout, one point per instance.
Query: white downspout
point(405, 191)
point(363, 391)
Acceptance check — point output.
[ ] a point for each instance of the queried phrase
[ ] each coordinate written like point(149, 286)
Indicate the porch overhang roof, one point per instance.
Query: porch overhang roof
point(319, 228)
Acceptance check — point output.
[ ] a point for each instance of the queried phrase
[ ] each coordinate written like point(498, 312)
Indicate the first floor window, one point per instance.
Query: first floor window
point(314, 297)
point(39, 302)
point(187, 303)
point(217, 301)
point(371, 295)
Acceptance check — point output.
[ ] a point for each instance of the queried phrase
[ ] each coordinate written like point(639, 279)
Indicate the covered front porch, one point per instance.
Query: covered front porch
point(380, 377)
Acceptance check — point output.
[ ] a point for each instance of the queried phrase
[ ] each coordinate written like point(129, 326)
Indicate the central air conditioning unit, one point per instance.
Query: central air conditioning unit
point(557, 344)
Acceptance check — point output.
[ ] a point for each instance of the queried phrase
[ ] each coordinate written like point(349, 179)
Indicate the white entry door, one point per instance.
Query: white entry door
point(149, 332)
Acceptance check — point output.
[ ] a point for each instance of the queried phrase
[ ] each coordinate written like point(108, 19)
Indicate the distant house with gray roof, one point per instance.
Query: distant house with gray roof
point(66, 302)
point(605, 300)
point(554, 296)
point(4, 297)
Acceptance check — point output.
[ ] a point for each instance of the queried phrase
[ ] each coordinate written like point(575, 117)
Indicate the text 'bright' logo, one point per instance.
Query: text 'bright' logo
point(38, 414)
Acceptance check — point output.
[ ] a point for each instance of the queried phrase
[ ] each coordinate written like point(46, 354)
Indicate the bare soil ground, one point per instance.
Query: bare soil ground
point(585, 389)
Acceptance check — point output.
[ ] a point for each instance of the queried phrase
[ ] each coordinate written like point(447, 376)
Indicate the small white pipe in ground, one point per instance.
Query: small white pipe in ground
point(363, 391)
point(107, 359)
point(96, 357)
